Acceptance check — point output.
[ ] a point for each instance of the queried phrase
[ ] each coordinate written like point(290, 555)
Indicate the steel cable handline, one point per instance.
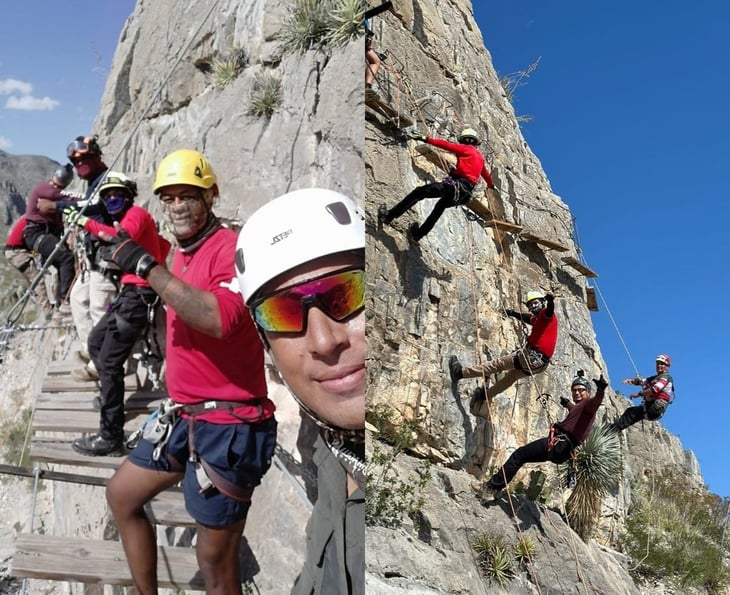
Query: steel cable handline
point(18, 308)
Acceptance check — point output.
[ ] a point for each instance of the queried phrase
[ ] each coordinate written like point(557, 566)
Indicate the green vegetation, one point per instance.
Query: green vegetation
point(265, 95)
point(12, 435)
point(675, 532)
point(316, 23)
point(227, 68)
point(494, 556)
point(390, 497)
point(524, 550)
point(597, 469)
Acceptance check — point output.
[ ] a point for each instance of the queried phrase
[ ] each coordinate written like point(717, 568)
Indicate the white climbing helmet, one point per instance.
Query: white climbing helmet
point(469, 134)
point(292, 229)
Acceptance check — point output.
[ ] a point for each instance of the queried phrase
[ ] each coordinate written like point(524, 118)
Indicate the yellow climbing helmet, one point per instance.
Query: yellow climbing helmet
point(469, 134)
point(534, 295)
point(184, 167)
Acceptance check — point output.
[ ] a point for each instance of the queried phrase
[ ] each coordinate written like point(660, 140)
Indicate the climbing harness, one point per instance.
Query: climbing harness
point(157, 428)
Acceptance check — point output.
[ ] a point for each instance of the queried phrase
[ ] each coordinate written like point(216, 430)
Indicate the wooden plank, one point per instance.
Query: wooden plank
point(63, 366)
point(374, 102)
point(480, 209)
point(591, 299)
point(48, 420)
point(503, 225)
point(579, 266)
point(81, 560)
point(55, 450)
point(133, 401)
point(168, 508)
point(545, 242)
point(64, 384)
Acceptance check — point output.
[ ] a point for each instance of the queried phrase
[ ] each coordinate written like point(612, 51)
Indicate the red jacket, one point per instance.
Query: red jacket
point(141, 227)
point(15, 237)
point(469, 160)
point(544, 334)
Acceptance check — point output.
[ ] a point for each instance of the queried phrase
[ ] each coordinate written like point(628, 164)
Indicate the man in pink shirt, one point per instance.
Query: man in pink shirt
point(221, 432)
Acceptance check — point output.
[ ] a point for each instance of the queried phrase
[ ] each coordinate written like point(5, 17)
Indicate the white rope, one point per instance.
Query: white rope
point(615, 326)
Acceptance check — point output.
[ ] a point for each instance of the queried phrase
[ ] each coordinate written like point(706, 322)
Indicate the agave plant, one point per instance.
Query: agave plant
point(306, 25)
point(347, 18)
point(494, 557)
point(597, 469)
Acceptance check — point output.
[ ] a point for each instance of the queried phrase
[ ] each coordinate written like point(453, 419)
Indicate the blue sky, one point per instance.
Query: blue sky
point(630, 122)
point(54, 61)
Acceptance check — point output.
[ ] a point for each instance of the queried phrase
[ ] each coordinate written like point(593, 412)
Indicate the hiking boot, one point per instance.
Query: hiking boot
point(477, 399)
point(96, 445)
point(486, 491)
point(64, 309)
point(96, 403)
point(455, 369)
point(83, 356)
point(84, 374)
point(414, 233)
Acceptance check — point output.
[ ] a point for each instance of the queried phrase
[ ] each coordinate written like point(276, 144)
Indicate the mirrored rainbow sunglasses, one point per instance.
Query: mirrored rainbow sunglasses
point(339, 294)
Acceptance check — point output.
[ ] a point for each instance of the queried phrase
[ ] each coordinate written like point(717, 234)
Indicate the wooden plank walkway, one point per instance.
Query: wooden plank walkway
point(63, 411)
point(98, 562)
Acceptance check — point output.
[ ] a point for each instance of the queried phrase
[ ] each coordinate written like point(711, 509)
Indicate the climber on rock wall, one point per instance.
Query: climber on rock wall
point(531, 358)
point(655, 393)
point(454, 190)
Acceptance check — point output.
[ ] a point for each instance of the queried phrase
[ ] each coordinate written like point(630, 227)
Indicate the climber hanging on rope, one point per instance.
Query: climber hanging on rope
point(656, 392)
point(454, 190)
point(565, 436)
point(529, 359)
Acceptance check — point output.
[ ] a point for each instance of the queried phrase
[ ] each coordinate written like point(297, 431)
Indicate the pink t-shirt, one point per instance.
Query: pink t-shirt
point(202, 368)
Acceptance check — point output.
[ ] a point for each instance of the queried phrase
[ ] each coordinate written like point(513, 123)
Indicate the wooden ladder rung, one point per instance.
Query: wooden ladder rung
point(545, 242)
point(591, 299)
point(82, 560)
point(580, 267)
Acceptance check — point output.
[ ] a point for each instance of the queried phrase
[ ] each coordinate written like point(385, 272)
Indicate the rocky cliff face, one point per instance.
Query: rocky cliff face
point(448, 295)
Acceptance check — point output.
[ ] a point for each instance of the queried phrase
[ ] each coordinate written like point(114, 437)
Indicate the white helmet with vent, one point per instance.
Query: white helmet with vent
point(292, 229)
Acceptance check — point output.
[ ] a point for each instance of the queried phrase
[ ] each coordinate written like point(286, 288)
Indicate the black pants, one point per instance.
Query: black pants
point(43, 239)
point(534, 452)
point(110, 343)
point(447, 192)
point(651, 410)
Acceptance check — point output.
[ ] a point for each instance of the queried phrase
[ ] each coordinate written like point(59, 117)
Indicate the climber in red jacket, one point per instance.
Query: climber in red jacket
point(454, 190)
point(533, 357)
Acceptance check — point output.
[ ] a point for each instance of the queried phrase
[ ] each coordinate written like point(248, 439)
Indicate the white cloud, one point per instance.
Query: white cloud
point(21, 98)
point(8, 86)
point(30, 103)
point(5, 143)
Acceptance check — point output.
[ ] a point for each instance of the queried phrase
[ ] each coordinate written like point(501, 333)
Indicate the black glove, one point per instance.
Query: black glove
point(549, 297)
point(600, 382)
point(415, 135)
point(564, 401)
point(513, 313)
point(127, 255)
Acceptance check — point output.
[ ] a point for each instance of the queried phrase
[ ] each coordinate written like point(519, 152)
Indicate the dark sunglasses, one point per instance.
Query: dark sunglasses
point(338, 294)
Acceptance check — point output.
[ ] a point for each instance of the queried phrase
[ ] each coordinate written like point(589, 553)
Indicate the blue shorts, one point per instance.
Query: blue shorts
point(240, 452)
